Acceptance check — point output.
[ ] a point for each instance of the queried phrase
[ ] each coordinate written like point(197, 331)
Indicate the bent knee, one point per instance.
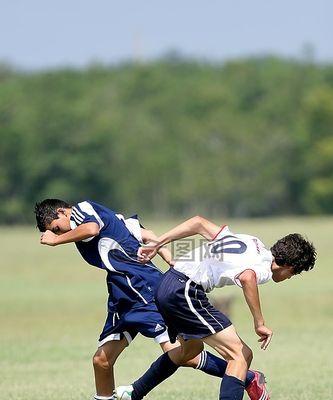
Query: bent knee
point(100, 361)
point(191, 357)
point(189, 360)
point(248, 355)
point(192, 362)
point(241, 353)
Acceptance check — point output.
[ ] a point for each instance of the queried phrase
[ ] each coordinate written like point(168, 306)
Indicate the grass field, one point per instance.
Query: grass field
point(52, 308)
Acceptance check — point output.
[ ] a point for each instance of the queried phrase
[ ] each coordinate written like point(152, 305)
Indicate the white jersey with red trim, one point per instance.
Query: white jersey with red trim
point(220, 262)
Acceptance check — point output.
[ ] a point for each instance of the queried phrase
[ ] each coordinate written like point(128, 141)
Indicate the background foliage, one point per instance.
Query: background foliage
point(246, 138)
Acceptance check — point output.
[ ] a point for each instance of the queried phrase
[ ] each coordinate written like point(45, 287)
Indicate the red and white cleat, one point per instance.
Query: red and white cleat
point(257, 388)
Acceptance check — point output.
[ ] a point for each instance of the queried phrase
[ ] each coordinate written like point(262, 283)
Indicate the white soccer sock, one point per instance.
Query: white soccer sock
point(96, 397)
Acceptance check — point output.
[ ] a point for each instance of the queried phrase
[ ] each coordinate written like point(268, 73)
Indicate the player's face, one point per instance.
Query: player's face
point(60, 225)
point(282, 273)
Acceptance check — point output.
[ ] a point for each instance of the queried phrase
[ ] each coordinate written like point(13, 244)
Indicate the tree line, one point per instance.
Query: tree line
point(249, 137)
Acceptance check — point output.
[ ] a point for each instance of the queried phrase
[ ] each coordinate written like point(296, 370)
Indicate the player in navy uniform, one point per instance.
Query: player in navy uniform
point(227, 259)
point(108, 241)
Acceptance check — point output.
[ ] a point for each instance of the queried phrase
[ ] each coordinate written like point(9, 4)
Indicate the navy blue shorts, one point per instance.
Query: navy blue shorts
point(144, 319)
point(186, 308)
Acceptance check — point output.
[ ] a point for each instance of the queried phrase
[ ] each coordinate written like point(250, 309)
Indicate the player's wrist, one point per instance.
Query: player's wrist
point(158, 245)
point(259, 323)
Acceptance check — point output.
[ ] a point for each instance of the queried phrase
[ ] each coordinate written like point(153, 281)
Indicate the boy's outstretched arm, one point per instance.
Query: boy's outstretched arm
point(82, 232)
point(193, 226)
point(248, 281)
point(149, 236)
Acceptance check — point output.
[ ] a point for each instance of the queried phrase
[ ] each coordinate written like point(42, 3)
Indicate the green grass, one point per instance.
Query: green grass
point(52, 308)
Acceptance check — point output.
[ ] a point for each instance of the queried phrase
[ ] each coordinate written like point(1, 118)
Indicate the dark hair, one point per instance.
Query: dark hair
point(46, 212)
point(295, 251)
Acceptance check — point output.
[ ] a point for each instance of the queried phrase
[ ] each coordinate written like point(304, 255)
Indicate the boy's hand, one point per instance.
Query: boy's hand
point(48, 238)
point(147, 252)
point(265, 335)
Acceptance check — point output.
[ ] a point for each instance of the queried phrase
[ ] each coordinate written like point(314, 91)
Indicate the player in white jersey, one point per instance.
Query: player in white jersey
point(219, 262)
point(226, 259)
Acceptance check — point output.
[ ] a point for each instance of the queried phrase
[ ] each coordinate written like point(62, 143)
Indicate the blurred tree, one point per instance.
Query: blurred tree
point(251, 137)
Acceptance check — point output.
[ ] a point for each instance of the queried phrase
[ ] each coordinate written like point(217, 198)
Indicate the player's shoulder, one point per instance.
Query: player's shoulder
point(83, 205)
point(87, 210)
point(87, 205)
point(223, 231)
point(91, 207)
point(227, 235)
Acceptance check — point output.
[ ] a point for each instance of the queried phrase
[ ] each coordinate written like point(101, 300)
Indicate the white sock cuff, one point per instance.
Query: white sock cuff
point(96, 397)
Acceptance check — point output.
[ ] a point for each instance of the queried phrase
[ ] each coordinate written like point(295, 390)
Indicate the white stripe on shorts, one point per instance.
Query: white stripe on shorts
point(162, 338)
point(210, 314)
point(113, 336)
point(189, 302)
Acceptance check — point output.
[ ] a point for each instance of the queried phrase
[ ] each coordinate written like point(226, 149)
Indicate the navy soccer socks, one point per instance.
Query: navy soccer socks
point(232, 388)
point(159, 370)
point(216, 366)
point(163, 367)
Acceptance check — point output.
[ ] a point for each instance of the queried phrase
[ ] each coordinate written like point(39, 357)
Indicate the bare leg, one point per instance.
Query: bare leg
point(184, 353)
point(103, 361)
point(231, 347)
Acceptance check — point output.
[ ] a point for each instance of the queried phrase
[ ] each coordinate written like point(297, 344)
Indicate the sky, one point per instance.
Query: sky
point(42, 34)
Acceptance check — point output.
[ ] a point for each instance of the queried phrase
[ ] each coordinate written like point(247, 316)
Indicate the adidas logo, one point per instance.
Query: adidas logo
point(158, 328)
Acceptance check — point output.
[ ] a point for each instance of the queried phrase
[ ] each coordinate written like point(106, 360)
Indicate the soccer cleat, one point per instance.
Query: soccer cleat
point(124, 392)
point(257, 388)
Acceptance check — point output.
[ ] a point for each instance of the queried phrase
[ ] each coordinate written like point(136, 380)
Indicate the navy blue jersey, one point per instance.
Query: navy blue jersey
point(114, 249)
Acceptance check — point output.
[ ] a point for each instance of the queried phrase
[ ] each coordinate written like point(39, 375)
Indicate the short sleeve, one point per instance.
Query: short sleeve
point(222, 232)
point(263, 275)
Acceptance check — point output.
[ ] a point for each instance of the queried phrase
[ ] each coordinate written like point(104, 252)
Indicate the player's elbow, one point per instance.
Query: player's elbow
point(148, 235)
point(93, 229)
point(200, 226)
point(248, 277)
point(198, 221)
